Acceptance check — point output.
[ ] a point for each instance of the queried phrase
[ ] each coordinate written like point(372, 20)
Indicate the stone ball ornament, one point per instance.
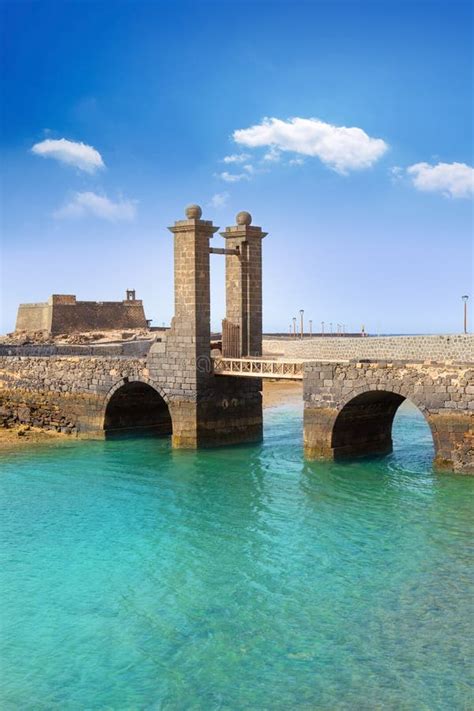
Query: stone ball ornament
point(244, 218)
point(193, 212)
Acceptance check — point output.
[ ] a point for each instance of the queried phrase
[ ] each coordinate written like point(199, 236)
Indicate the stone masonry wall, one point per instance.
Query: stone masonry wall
point(34, 317)
point(79, 316)
point(67, 393)
point(449, 347)
point(70, 393)
point(94, 316)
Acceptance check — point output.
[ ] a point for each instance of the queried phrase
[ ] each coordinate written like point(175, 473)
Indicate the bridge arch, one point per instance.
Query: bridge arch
point(363, 424)
point(136, 405)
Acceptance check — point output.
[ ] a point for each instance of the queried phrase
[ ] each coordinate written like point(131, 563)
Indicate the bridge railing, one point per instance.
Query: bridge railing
point(259, 368)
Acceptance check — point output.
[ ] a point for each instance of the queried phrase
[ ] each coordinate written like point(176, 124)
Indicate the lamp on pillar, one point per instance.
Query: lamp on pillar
point(301, 322)
point(310, 328)
point(244, 285)
point(294, 326)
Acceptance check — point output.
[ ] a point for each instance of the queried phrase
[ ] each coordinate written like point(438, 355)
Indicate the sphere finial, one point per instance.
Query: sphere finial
point(244, 218)
point(193, 212)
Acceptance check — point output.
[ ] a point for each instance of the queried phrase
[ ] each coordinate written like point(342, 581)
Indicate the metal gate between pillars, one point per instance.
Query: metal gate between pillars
point(230, 339)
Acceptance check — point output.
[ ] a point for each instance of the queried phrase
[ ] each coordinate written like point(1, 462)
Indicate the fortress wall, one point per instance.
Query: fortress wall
point(63, 314)
point(444, 347)
point(96, 316)
point(33, 317)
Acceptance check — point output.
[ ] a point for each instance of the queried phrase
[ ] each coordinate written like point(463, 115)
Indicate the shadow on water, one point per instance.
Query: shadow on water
point(137, 433)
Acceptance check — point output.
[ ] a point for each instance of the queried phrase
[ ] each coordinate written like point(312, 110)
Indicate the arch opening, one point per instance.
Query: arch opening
point(137, 409)
point(364, 425)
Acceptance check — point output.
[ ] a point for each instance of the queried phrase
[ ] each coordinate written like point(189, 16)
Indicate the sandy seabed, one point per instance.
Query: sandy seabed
point(277, 392)
point(19, 437)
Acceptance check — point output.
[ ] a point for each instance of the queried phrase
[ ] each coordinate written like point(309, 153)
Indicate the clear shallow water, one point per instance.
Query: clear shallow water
point(137, 577)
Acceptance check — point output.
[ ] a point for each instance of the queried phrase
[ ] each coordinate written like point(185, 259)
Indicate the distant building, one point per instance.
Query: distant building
point(62, 313)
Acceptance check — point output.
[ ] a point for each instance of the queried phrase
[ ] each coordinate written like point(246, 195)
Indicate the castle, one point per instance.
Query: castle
point(62, 313)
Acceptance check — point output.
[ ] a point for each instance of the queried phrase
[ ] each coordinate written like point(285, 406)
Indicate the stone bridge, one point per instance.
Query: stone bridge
point(349, 408)
point(178, 387)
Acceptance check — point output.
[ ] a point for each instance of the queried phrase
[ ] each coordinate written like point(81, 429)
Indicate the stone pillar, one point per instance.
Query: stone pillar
point(453, 435)
point(244, 282)
point(192, 298)
point(206, 409)
point(181, 364)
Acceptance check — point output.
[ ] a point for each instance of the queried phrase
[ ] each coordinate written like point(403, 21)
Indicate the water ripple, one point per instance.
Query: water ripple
point(138, 577)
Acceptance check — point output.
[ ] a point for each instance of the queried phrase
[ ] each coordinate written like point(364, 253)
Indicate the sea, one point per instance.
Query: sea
point(138, 577)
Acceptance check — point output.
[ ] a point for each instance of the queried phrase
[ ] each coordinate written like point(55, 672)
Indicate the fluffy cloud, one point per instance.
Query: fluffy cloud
point(88, 203)
point(236, 158)
point(79, 155)
point(296, 161)
point(342, 149)
point(273, 155)
point(233, 177)
point(219, 200)
point(454, 180)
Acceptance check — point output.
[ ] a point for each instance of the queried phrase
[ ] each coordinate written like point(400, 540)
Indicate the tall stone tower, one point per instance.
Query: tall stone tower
point(208, 409)
point(243, 322)
point(192, 298)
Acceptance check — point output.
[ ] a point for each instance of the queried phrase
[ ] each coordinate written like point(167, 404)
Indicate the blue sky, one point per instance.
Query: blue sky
point(369, 226)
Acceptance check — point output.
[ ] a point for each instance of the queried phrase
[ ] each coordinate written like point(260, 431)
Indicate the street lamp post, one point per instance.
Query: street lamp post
point(301, 321)
point(310, 328)
point(322, 328)
point(330, 327)
point(465, 298)
point(294, 326)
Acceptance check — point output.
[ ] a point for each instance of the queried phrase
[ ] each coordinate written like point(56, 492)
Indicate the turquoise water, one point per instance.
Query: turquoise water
point(137, 577)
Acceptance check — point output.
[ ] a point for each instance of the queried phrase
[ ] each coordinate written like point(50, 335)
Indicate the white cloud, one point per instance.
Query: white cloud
point(233, 177)
point(296, 161)
point(454, 180)
point(342, 149)
point(80, 155)
point(219, 200)
point(88, 203)
point(236, 158)
point(249, 168)
point(272, 156)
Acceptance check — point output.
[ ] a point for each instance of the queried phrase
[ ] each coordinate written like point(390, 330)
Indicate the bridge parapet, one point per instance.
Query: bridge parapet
point(459, 347)
point(259, 368)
